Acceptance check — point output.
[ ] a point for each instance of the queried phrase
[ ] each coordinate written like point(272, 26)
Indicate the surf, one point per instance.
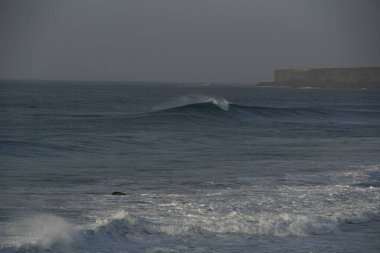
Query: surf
point(193, 100)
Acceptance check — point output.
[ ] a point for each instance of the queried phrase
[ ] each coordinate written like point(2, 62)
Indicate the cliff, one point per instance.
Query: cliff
point(328, 77)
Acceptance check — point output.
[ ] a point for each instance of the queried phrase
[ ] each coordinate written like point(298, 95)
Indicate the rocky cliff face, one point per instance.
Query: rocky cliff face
point(329, 77)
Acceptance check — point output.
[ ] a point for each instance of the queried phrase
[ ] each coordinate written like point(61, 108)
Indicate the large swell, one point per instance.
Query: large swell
point(213, 106)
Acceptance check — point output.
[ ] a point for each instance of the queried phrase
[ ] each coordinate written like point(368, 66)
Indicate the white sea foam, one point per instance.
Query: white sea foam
point(281, 224)
point(282, 211)
point(43, 232)
point(298, 210)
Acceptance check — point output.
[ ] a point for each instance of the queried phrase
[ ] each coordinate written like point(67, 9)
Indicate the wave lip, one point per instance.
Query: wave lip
point(193, 100)
point(206, 107)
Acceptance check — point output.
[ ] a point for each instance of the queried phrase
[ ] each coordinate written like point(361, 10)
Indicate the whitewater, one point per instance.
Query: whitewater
point(211, 168)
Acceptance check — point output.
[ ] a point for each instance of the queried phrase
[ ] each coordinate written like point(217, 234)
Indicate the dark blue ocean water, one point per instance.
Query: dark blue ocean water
point(205, 168)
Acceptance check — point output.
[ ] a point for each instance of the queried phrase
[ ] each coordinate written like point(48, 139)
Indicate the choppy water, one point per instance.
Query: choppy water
point(204, 168)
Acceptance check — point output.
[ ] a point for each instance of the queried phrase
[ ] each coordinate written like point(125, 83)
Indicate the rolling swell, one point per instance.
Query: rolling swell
point(224, 109)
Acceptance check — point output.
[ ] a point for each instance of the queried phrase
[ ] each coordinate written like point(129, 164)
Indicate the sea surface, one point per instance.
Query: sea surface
point(205, 168)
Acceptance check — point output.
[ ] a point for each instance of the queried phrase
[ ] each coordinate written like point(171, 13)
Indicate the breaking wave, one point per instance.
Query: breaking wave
point(193, 101)
point(293, 210)
point(42, 233)
point(221, 107)
point(283, 224)
point(117, 232)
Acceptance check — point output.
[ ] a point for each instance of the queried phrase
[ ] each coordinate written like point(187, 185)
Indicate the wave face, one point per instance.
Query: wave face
point(193, 100)
point(218, 107)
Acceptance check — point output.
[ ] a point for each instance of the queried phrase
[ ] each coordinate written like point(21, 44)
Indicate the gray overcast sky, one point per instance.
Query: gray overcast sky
point(183, 40)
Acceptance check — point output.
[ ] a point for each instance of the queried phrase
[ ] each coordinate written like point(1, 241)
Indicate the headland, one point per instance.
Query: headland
point(366, 77)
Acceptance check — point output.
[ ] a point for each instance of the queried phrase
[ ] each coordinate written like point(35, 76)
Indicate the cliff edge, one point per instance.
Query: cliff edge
point(327, 78)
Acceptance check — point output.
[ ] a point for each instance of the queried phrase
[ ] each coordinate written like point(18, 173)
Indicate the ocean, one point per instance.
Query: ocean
point(204, 168)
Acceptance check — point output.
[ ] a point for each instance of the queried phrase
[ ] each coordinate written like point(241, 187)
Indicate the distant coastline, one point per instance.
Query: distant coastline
point(366, 77)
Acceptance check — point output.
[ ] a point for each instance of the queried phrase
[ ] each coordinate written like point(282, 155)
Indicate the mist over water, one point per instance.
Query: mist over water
point(204, 169)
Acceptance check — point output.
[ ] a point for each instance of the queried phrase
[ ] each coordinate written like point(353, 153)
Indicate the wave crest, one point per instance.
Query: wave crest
point(220, 102)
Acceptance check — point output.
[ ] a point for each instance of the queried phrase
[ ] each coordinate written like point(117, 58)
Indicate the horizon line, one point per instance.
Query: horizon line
point(120, 81)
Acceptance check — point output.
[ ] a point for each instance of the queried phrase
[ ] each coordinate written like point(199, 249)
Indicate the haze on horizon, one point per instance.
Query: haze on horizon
point(184, 41)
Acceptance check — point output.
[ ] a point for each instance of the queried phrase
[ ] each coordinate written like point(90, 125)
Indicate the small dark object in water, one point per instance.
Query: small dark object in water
point(118, 193)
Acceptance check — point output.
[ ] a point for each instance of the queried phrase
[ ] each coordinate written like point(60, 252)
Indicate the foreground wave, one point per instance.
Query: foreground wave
point(119, 233)
point(152, 220)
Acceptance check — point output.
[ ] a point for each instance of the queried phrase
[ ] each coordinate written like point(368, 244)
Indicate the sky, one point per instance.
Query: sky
point(183, 40)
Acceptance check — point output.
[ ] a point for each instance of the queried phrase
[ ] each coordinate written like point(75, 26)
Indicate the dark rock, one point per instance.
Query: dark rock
point(118, 193)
